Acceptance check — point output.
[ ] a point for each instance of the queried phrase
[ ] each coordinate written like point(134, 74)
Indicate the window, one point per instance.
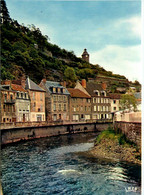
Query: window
point(55, 117)
point(13, 108)
point(4, 108)
point(8, 108)
point(88, 100)
point(54, 107)
point(94, 108)
point(59, 107)
point(81, 108)
point(64, 107)
point(4, 120)
point(114, 108)
point(33, 95)
point(41, 96)
point(25, 96)
point(87, 117)
point(21, 95)
point(11, 97)
point(5, 96)
point(114, 101)
point(17, 94)
point(75, 117)
point(85, 108)
point(64, 98)
point(54, 98)
point(119, 108)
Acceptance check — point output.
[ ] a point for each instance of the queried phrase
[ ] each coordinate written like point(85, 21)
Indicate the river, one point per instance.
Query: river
point(59, 165)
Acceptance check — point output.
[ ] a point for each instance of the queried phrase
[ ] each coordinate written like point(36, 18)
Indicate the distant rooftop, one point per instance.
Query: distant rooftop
point(77, 93)
point(32, 86)
point(51, 84)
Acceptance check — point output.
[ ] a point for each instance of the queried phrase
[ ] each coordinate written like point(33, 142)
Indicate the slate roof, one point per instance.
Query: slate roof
point(115, 95)
point(77, 93)
point(137, 95)
point(1, 88)
point(51, 84)
point(17, 88)
point(32, 86)
point(91, 86)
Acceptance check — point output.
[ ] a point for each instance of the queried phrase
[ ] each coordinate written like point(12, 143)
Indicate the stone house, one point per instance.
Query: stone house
point(20, 99)
point(57, 101)
point(100, 102)
point(8, 99)
point(80, 105)
point(115, 102)
point(37, 98)
point(22, 103)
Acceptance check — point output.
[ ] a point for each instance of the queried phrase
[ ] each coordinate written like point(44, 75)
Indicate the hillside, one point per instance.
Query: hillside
point(24, 50)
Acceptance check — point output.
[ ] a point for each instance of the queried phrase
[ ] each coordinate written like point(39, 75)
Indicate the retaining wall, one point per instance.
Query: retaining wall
point(26, 133)
point(132, 130)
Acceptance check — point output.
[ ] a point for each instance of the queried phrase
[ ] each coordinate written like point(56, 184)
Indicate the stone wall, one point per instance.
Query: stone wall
point(26, 133)
point(132, 130)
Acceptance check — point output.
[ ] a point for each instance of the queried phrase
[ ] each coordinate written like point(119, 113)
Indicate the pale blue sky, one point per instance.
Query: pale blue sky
point(110, 30)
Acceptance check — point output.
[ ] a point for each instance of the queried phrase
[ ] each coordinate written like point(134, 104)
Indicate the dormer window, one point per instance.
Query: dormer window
point(103, 93)
point(96, 92)
point(59, 90)
point(17, 94)
point(54, 89)
point(21, 95)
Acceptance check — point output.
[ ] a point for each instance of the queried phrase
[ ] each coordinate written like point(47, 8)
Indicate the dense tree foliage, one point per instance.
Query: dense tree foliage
point(128, 102)
point(26, 50)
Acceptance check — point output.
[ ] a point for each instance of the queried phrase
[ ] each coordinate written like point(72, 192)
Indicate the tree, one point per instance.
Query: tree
point(128, 102)
point(69, 74)
point(5, 18)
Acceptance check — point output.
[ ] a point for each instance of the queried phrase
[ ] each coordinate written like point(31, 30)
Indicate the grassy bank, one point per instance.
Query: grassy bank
point(115, 146)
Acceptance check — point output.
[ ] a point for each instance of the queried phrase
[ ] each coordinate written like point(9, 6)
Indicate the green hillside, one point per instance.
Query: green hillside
point(24, 50)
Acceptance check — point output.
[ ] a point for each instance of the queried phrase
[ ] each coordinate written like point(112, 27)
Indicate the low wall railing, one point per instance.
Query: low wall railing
point(49, 123)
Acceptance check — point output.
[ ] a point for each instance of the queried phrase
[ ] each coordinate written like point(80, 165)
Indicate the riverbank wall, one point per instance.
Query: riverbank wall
point(132, 130)
point(26, 133)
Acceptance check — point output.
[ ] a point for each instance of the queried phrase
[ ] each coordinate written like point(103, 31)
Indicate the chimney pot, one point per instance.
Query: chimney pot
point(84, 83)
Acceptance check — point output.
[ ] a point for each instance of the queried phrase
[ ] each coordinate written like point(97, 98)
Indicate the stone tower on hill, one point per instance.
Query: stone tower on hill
point(85, 55)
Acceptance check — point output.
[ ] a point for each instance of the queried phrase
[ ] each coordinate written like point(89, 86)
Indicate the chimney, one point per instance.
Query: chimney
point(83, 83)
point(6, 82)
point(104, 86)
point(23, 80)
point(63, 83)
point(44, 80)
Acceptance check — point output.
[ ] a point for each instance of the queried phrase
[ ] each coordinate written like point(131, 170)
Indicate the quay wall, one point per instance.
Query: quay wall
point(132, 130)
point(27, 133)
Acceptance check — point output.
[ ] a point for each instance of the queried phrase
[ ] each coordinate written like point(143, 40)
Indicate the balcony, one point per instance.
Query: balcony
point(9, 101)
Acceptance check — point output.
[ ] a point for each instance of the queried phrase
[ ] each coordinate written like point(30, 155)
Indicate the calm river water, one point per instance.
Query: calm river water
point(58, 166)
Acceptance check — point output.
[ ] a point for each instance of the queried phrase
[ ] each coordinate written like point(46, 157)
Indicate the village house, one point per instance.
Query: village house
point(22, 104)
point(115, 102)
point(37, 98)
point(57, 101)
point(8, 114)
point(22, 101)
point(80, 105)
point(100, 102)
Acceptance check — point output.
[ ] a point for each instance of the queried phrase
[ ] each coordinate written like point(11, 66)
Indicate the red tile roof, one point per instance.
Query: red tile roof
point(17, 87)
point(115, 96)
point(77, 93)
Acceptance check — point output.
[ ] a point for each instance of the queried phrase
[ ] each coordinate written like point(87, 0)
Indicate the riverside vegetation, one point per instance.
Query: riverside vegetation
point(113, 145)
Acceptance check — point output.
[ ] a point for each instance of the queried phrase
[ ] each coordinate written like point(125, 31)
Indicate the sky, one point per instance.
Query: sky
point(109, 30)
